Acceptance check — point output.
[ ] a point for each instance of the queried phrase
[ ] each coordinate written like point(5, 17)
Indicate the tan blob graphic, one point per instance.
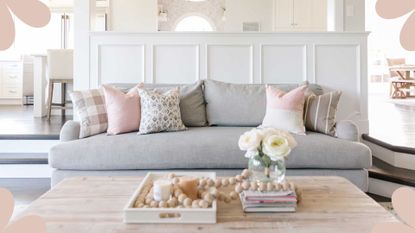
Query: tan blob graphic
point(391, 9)
point(404, 205)
point(26, 224)
point(32, 12)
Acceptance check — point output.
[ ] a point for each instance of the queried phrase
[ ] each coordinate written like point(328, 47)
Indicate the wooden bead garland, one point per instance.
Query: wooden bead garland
point(207, 191)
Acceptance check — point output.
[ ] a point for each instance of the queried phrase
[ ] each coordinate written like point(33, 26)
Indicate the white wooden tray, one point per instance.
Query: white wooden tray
point(169, 215)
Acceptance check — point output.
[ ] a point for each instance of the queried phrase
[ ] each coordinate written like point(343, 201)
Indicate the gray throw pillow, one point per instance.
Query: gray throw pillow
point(193, 105)
point(160, 112)
point(234, 104)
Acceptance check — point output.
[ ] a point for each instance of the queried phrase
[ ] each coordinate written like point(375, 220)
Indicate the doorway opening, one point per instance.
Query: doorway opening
point(391, 119)
point(194, 23)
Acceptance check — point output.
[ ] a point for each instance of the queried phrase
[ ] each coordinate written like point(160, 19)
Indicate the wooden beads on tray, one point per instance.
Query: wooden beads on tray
point(191, 192)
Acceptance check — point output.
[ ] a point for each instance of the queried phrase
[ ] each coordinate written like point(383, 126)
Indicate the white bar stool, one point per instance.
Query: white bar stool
point(60, 69)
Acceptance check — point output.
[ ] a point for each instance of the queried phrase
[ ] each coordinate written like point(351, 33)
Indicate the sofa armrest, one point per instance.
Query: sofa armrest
point(70, 131)
point(347, 130)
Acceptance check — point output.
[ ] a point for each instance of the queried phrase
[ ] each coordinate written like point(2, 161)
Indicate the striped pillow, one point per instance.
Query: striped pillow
point(91, 110)
point(320, 112)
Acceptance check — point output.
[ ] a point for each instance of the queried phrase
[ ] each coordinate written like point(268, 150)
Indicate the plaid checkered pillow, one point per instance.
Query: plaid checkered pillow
point(90, 107)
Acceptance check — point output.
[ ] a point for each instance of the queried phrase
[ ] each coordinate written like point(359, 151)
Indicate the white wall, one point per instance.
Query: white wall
point(239, 11)
point(354, 15)
point(133, 15)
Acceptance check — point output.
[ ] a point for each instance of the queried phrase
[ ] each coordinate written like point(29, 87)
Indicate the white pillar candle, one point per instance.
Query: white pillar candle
point(162, 190)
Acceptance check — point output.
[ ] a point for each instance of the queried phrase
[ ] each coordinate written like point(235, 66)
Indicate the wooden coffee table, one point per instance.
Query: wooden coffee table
point(94, 204)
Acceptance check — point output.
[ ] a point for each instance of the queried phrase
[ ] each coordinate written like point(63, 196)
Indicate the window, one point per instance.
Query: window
point(194, 24)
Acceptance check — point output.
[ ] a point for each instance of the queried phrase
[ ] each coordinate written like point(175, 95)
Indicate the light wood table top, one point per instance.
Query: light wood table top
point(95, 204)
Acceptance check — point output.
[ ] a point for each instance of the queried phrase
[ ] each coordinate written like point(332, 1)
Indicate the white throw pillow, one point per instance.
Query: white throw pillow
point(285, 110)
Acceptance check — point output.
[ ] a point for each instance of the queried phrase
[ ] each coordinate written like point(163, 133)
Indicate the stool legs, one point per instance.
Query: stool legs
point(50, 97)
point(63, 98)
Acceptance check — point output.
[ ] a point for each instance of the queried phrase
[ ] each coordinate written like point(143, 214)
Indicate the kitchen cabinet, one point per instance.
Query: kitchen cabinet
point(300, 15)
point(11, 82)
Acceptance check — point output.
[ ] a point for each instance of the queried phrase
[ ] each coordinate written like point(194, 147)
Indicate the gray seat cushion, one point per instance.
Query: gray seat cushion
point(202, 147)
point(240, 104)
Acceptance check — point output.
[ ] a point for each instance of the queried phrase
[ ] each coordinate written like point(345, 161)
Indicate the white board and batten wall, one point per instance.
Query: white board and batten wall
point(334, 60)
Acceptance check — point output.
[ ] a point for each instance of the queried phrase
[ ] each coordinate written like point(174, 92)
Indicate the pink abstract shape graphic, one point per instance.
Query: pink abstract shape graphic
point(404, 205)
point(26, 224)
point(32, 12)
point(391, 9)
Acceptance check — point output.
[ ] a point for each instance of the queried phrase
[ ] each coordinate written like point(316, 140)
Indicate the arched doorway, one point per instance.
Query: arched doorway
point(194, 23)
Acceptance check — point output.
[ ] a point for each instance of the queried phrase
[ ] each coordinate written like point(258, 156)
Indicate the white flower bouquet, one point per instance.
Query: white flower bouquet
point(267, 146)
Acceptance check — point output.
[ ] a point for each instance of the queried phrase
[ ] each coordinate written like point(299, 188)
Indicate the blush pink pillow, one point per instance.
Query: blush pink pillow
point(285, 110)
point(124, 111)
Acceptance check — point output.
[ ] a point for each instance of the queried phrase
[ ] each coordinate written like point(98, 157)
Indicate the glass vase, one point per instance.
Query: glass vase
point(260, 172)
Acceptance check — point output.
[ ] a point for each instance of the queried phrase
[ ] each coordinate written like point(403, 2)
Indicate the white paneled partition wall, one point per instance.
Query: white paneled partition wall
point(334, 60)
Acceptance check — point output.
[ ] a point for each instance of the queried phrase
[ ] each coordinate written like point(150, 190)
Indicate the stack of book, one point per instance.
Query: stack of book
point(276, 201)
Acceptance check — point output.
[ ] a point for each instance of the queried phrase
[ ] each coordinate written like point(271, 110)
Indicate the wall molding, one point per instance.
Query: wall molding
point(166, 45)
point(250, 47)
point(300, 45)
point(100, 56)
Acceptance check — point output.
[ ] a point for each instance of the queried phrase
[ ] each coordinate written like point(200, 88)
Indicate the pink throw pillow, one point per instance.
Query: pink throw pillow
point(285, 110)
point(123, 109)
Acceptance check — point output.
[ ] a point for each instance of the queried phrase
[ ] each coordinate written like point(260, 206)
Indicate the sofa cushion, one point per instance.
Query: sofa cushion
point(160, 112)
point(320, 112)
point(192, 101)
point(90, 107)
point(123, 109)
point(240, 104)
point(285, 110)
point(199, 148)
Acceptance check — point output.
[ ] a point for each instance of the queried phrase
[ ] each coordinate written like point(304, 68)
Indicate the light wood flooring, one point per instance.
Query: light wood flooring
point(392, 121)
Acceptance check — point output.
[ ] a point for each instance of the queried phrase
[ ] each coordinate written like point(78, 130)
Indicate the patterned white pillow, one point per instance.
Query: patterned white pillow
point(160, 112)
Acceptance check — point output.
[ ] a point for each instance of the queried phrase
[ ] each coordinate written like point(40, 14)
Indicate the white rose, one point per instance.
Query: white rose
point(273, 131)
point(276, 147)
point(250, 141)
point(251, 153)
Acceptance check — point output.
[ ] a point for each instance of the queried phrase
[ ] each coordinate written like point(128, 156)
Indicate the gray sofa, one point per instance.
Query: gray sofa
point(216, 115)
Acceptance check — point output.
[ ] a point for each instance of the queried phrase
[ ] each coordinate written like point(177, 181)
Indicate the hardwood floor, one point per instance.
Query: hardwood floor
point(392, 121)
point(17, 122)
